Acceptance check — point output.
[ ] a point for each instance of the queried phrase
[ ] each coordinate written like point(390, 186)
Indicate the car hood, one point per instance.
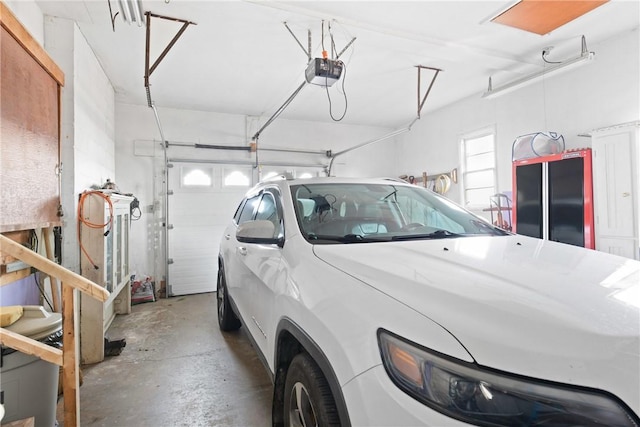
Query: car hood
point(537, 308)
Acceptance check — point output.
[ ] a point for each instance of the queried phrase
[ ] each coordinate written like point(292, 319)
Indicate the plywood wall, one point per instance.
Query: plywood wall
point(29, 118)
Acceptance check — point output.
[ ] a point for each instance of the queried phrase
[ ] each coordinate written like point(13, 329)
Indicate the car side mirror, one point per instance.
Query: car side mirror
point(258, 231)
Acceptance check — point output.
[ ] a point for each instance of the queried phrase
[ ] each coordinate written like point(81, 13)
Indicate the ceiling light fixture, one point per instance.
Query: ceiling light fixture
point(584, 58)
point(131, 11)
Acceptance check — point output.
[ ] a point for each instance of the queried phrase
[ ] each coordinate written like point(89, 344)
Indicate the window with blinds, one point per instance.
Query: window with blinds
point(479, 168)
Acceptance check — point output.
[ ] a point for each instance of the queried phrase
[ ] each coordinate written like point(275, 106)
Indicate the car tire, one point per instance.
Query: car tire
point(308, 401)
point(227, 319)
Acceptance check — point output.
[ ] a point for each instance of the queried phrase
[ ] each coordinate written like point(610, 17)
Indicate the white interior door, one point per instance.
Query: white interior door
point(203, 202)
point(615, 193)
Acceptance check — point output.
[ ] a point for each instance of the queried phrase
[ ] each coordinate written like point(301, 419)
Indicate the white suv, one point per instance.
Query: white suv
point(376, 302)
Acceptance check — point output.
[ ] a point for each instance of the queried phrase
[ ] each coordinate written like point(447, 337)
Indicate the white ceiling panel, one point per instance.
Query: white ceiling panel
point(241, 59)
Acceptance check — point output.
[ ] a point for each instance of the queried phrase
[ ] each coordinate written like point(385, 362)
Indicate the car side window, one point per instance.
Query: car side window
point(268, 210)
point(236, 216)
point(248, 209)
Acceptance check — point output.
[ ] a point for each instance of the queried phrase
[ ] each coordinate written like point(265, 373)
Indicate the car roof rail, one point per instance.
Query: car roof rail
point(395, 180)
point(280, 177)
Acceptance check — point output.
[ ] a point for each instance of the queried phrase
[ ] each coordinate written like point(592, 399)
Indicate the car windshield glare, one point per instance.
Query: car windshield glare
point(361, 213)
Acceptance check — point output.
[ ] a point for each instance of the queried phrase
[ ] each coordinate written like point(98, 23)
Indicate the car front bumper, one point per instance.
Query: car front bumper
point(372, 399)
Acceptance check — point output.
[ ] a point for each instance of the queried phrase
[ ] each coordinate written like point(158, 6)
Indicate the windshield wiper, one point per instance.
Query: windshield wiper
point(348, 238)
point(357, 238)
point(438, 234)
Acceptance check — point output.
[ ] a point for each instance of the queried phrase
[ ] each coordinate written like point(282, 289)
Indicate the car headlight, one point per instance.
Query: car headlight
point(484, 397)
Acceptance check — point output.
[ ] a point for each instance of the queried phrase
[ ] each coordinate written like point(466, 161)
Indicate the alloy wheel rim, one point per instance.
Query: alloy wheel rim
point(301, 410)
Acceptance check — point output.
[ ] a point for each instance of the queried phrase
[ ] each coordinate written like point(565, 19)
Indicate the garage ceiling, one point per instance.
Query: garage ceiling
point(241, 59)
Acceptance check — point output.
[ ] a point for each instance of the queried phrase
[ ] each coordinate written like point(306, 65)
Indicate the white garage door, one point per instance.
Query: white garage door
point(203, 202)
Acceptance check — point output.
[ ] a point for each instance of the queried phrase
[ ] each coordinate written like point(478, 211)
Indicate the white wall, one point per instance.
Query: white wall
point(30, 16)
point(604, 93)
point(136, 125)
point(87, 130)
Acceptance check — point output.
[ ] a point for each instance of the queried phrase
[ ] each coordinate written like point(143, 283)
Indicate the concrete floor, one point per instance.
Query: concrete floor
point(177, 369)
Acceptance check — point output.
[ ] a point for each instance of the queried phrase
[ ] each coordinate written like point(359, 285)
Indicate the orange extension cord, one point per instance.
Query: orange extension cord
point(82, 220)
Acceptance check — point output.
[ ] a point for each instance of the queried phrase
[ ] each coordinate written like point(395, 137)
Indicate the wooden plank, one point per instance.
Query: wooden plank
point(21, 237)
point(70, 372)
point(31, 45)
point(27, 422)
point(53, 282)
point(32, 347)
point(51, 268)
point(8, 278)
point(7, 228)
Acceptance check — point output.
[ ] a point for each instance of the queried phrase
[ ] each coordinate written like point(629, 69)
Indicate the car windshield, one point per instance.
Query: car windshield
point(361, 213)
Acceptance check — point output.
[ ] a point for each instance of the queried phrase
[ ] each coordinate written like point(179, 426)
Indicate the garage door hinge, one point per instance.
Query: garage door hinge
point(169, 226)
point(169, 192)
point(170, 261)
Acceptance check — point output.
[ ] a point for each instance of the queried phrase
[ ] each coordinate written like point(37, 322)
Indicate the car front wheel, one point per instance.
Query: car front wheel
point(308, 401)
point(227, 319)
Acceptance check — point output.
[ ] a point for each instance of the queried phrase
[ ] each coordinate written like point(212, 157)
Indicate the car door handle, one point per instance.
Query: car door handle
point(242, 250)
point(227, 236)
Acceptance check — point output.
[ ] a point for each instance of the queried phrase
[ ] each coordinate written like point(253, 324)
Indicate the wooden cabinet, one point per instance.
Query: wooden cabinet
point(104, 230)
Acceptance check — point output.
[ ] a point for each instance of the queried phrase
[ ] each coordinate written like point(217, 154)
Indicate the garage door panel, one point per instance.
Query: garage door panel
point(195, 241)
point(194, 219)
point(199, 216)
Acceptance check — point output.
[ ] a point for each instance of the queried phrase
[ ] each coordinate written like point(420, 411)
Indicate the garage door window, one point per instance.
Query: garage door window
point(479, 167)
point(269, 175)
point(196, 177)
point(237, 179)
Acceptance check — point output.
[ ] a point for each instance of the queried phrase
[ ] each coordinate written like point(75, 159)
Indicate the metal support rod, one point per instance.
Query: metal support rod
point(396, 132)
point(308, 53)
point(246, 163)
point(296, 150)
point(279, 110)
point(155, 113)
point(346, 47)
point(309, 44)
point(169, 18)
point(326, 153)
point(146, 57)
point(148, 71)
point(420, 68)
point(223, 147)
point(169, 46)
point(373, 141)
point(167, 276)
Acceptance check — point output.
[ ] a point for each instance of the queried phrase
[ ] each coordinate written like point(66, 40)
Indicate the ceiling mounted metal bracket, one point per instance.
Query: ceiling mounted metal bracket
point(397, 131)
point(306, 51)
point(149, 70)
point(422, 100)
